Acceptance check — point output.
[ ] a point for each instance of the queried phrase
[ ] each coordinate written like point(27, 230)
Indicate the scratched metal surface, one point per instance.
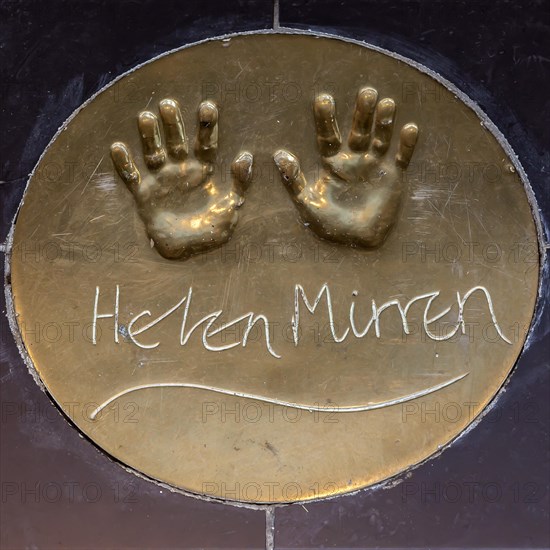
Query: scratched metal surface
point(53, 58)
point(498, 56)
point(383, 518)
point(179, 353)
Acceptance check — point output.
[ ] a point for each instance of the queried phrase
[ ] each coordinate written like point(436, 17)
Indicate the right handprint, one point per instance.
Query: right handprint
point(356, 199)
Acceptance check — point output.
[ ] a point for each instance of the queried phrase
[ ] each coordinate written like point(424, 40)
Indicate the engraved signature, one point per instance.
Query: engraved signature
point(206, 330)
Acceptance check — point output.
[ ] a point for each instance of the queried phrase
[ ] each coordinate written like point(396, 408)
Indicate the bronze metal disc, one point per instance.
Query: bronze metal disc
point(274, 267)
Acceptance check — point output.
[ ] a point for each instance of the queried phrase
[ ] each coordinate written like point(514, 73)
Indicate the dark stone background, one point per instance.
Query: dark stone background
point(54, 55)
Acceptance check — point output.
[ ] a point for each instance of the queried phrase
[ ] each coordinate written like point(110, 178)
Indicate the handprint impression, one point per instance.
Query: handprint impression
point(184, 209)
point(357, 196)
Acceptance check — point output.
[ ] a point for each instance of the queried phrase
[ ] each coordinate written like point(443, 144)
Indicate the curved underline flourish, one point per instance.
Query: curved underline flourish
point(310, 408)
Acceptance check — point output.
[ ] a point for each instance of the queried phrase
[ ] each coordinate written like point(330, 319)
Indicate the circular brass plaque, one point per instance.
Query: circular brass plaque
point(274, 267)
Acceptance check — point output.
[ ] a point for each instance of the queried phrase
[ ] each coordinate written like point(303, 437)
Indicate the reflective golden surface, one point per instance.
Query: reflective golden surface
point(278, 365)
point(184, 209)
point(356, 199)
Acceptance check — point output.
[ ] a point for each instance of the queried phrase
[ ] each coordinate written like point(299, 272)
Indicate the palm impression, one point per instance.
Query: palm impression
point(185, 208)
point(356, 199)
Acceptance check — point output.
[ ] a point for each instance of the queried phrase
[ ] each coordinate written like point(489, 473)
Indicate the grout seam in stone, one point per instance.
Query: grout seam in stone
point(276, 23)
point(270, 528)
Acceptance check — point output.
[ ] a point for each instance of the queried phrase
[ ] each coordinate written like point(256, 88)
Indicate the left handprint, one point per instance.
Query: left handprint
point(186, 210)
